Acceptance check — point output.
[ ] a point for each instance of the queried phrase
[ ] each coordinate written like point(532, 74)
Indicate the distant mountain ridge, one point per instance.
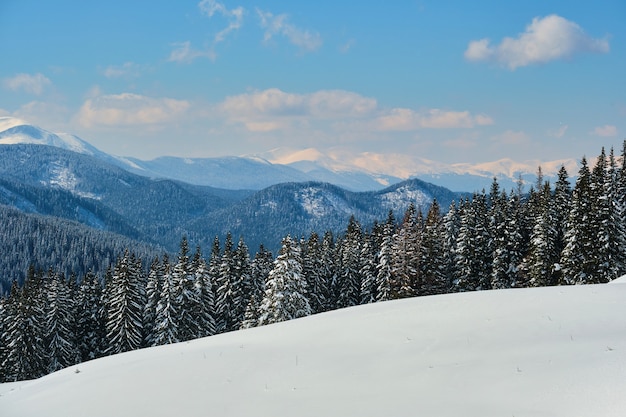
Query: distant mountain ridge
point(357, 172)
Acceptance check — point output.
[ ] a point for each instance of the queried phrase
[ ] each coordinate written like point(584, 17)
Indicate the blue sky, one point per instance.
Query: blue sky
point(452, 81)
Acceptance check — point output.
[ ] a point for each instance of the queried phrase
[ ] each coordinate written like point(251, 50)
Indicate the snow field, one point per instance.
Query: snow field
point(557, 351)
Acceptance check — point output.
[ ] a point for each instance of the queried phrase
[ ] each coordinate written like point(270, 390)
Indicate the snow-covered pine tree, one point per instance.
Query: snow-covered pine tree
point(432, 256)
point(368, 269)
point(498, 223)
point(328, 274)
point(451, 227)
point(260, 268)
point(228, 296)
point(23, 326)
point(577, 257)
point(312, 269)
point(620, 213)
point(125, 300)
point(153, 295)
point(543, 253)
point(59, 336)
point(183, 279)
point(285, 293)
point(349, 276)
point(473, 260)
point(405, 259)
point(204, 296)
point(166, 328)
point(383, 265)
point(243, 285)
point(91, 331)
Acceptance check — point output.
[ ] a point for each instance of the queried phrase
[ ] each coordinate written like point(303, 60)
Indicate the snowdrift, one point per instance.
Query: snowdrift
point(557, 351)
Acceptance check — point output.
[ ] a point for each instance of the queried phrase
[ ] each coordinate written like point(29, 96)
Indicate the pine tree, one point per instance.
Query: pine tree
point(228, 295)
point(91, 331)
point(451, 228)
point(312, 269)
point(260, 268)
point(286, 294)
point(167, 328)
point(368, 271)
point(432, 258)
point(328, 274)
point(60, 338)
point(25, 356)
point(204, 297)
point(153, 295)
point(405, 265)
point(349, 277)
point(383, 266)
point(125, 300)
point(543, 254)
point(577, 258)
point(183, 280)
point(620, 213)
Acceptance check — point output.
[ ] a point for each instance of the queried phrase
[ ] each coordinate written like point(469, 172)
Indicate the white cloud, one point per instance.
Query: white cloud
point(273, 109)
point(126, 70)
point(184, 53)
point(605, 131)
point(545, 39)
point(234, 16)
point(129, 109)
point(33, 84)
point(402, 119)
point(278, 25)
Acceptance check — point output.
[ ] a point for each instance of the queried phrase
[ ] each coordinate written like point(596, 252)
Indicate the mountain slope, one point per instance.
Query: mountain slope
point(300, 208)
point(524, 352)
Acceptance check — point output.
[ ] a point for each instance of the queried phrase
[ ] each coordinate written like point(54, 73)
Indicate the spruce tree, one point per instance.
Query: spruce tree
point(432, 257)
point(286, 293)
point(577, 257)
point(91, 331)
point(153, 295)
point(60, 338)
point(125, 301)
point(349, 275)
point(204, 305)
point(405, 260)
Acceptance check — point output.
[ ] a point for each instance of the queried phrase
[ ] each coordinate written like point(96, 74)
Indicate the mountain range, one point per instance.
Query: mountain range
point(61, 178)
point(365, 171)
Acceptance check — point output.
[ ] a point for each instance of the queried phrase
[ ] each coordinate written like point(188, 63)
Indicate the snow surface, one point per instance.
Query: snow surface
point(558, 351)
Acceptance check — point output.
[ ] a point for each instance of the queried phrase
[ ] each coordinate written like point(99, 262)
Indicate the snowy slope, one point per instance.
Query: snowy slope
point(15, 131)
point(557, 351)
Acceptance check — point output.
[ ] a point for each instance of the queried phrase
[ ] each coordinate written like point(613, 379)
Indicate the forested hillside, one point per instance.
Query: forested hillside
point(555, 235)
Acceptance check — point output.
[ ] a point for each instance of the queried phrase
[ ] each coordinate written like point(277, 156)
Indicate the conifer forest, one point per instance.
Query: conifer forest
point(556, 234)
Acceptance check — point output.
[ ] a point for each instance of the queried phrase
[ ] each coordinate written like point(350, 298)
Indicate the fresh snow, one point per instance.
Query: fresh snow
point(557, 351)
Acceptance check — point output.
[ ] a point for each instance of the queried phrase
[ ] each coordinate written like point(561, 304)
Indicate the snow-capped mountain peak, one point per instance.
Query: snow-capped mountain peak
point(15, 131)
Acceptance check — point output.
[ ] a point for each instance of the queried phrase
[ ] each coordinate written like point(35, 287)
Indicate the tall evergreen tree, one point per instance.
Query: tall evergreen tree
point(368, 271)
point(405, 259)
point(577, 258)
point(167, 327)
point(349, 276)
point(125, 300)
point(154, 286)
point(25, 355)
point(285, 294)
point(544, 254)
point(204, 297)
point(384, 275)
point(432, 258)
point(60, 325)
point(91, 330)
